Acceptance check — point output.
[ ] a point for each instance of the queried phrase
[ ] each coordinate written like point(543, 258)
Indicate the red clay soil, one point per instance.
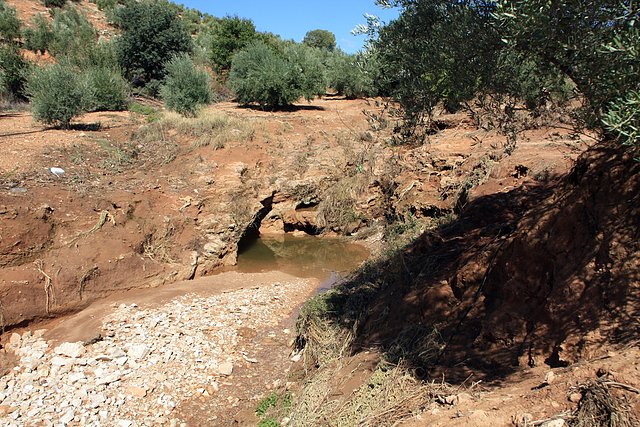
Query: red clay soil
point(540, 275)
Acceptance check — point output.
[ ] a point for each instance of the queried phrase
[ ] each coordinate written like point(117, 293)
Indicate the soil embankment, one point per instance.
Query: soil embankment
point(521, 311)
point(146, 205)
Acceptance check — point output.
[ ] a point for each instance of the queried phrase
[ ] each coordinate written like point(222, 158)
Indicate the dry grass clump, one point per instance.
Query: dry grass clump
point(337, 210)
point(210, 128)
point(322, 341)
point(157, 245)
point(155, 144)
point(159, 140)
point(389, 396)
point(599, 407)
point(326, 328)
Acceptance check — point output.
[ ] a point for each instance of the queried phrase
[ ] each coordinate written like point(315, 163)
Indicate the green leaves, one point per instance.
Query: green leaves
point(9, 24)
point(152, 34)
point(353, 76)
point(530, 51)
point(262, 75)
point(13, 66)
point(320, 39)
point(226, 37)
point(57, 95)
point(623, 119)
point(186, 88)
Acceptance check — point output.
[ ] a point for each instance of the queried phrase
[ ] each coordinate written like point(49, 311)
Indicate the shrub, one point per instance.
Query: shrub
point(13, 67)
point(272, 79)
point(260, 75)
point(38, 38)
point(73, 37)
point(152, 34)
point(186, 87)
point(353, 75)
point(102, 54)
point(308, 71)
point(107, 89)
point(226, 37)
point(9, 24)
point(57, 94)
point(320, 39)
point(107, 4)
point(13, 71)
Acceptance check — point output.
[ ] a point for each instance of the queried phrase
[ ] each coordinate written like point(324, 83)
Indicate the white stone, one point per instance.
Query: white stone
point(75, 377)
point(37, 354)
point(31, 363)
point(97, 400)
point(67, 417)
point(554, 423)
point(70, 349)
point(59, 361)
point(225, 368)
point(138, 351)
point(108, 379)
point(15, 340)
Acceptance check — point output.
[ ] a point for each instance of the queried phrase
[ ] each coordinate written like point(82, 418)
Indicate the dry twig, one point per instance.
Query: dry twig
point(48, 286)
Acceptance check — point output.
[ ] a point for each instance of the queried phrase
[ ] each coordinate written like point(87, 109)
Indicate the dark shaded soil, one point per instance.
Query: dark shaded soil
point(544, 274)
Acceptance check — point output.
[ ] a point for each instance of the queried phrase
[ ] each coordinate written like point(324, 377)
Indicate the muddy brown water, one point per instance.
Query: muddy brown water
point(302, 256)
point(267, 260)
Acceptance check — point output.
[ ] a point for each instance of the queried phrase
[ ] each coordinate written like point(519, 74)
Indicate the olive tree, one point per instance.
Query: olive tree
point(152, 34)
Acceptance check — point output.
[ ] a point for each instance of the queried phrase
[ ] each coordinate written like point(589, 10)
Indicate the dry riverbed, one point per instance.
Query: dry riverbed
point(188, 359)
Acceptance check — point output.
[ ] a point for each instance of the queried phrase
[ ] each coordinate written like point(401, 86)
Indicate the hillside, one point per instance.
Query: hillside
point(28, 9)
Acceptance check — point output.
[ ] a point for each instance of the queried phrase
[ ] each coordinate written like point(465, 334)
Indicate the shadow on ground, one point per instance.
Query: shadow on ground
point(545, 273)
point(285, 108)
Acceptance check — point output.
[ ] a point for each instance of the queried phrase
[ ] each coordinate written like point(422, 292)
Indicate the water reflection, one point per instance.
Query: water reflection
point(302, 256)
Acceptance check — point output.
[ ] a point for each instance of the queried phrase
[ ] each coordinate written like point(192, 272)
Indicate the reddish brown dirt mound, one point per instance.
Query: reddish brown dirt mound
point(544, 273)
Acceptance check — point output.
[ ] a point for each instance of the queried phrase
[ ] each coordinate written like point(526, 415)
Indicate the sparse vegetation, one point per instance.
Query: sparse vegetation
point(209, 128)
point(272, 408)
point(117, 156)
point(526, 58)
point(337, 210)
point(157, 244)
point(150, 112)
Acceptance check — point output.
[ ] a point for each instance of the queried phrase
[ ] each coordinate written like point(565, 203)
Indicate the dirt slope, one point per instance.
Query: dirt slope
point(527, 294)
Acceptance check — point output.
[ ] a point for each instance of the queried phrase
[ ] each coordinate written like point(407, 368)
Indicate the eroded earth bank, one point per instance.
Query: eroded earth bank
point(129, 243)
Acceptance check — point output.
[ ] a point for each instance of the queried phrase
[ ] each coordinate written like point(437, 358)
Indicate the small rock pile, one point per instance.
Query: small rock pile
point(142, 366)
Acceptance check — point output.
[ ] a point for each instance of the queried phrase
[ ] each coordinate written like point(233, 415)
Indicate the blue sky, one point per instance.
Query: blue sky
point(292, 19)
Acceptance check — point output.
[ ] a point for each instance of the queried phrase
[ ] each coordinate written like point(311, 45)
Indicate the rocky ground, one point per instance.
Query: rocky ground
point(147, 366)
